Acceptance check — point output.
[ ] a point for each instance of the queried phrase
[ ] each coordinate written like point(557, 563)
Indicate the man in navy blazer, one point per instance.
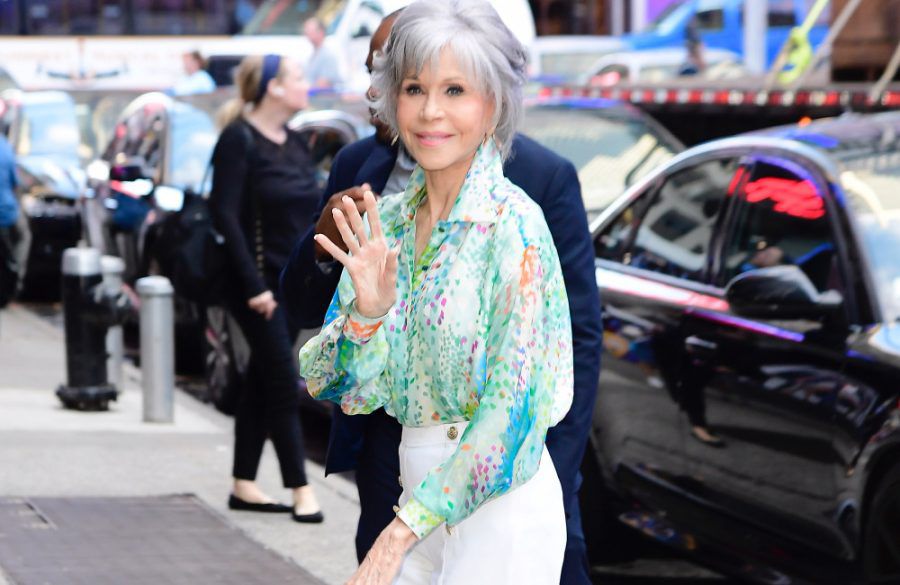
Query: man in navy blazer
point(368, 443)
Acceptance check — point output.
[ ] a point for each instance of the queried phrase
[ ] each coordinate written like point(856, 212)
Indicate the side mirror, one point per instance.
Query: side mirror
point(362, 32)
point(130, 169)
point(168, 198)
point(779, 292)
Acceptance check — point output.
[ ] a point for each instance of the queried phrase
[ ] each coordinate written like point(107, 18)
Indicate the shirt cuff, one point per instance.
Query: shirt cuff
point(420, 519)
point(359, 329)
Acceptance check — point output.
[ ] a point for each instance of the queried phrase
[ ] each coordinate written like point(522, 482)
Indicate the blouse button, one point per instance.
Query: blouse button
point(452, 433)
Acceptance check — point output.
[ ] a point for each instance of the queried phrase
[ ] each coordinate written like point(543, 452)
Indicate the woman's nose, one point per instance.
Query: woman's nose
point(431, 109)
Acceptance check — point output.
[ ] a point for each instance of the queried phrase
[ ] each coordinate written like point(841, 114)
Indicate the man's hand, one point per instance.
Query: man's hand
point(326, 225)
point(383, 562)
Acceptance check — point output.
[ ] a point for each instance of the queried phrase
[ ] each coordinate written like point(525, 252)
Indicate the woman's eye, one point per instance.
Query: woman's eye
point(455, 90)
point(412, 89)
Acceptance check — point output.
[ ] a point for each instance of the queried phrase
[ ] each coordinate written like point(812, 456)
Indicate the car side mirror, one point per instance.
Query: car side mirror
point(779, 292)
point(169, 198)
point(362, 32)
point(131, 169)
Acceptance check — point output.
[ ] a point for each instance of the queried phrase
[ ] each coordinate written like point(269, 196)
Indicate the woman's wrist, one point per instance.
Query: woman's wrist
point(370, 314)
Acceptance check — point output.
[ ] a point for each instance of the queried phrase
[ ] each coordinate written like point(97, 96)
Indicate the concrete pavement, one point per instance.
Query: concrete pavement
point(46, 450)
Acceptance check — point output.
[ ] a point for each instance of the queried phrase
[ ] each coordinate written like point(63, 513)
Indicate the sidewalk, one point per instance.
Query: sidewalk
point(46, 450)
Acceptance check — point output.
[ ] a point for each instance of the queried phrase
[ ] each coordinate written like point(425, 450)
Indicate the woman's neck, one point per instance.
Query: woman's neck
point(443, 188)
point(270, 120)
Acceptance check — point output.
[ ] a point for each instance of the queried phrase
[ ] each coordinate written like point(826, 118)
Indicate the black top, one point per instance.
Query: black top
point(282, 178)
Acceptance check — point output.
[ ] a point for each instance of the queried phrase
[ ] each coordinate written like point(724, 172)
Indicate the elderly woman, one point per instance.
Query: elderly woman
point(451, 313)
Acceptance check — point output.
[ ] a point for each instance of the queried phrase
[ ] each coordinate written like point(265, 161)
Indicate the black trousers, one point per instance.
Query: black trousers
point(269, 403)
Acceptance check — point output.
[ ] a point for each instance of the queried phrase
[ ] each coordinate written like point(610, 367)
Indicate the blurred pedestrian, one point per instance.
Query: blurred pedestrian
point(196, 79)
point(324, 67)
point(438, 115)
point(264, 191)
point(9, 213)
point(694, 63)
point(369, 444)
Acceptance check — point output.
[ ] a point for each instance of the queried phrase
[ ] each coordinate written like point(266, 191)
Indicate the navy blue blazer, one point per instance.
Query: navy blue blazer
point(552, 183)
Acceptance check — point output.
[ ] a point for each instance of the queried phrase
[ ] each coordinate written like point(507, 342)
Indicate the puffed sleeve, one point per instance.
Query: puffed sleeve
point(345, 362)
point(527, 388)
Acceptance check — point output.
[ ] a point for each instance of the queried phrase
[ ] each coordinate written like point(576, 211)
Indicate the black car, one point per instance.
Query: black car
point(749, 405)
point(611, 143)
point(43, 131)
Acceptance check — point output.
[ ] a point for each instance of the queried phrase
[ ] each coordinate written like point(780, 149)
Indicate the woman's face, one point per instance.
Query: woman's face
point(442, 117)
point(294, 92)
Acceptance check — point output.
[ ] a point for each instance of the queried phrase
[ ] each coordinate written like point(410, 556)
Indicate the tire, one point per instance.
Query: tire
point(881, 544)
point(608, 540)
point(222, 370)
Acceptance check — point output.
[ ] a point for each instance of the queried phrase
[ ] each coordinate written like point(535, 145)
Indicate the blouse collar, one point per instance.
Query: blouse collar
point(477, 202)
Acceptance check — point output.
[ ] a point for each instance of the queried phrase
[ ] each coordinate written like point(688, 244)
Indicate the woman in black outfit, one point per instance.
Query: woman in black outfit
point(264, 193)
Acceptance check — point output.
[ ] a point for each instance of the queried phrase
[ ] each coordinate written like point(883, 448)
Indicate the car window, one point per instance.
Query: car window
point(677, 227)
point(193, 137)
point(612, 243)
point(710, 20)
point(781, 219)
point(610, 150)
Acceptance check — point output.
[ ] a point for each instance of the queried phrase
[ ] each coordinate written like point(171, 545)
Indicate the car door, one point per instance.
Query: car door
point(652, 263)
point(767, 386)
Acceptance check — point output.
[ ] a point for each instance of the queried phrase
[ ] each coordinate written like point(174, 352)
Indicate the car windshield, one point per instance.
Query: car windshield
point(286, 17)
point(610, 151)
point(873, 188)
point(48, 128)
point(193, 137)
point(667, 20)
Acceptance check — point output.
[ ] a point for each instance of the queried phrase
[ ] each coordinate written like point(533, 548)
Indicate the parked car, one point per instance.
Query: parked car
point(720, 24)
point(43, 132)
point(158, 156)
point(612, 144)
point(655, 65)
point(751, 287)
point(559, 59)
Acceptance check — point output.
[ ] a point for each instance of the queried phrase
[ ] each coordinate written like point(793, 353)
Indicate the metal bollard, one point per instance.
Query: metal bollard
point(86, 316)
point(112, 268)
point(157, 348)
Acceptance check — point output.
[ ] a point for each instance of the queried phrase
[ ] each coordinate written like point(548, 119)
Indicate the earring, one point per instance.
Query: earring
point(394, 140)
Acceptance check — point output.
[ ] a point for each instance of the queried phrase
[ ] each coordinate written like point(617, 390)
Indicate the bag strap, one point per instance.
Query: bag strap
point(250, 144)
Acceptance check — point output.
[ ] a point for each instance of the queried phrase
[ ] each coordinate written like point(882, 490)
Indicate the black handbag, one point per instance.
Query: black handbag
point(197, 258)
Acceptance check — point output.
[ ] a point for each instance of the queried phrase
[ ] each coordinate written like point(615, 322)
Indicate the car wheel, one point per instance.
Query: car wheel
point(881, 551)
point(608, 540)
point(222, 369)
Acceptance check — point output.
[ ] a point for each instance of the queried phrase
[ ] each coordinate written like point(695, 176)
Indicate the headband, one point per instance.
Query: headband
point(271, 64)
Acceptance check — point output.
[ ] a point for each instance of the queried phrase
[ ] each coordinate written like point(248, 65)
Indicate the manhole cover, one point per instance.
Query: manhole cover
point(168, 539)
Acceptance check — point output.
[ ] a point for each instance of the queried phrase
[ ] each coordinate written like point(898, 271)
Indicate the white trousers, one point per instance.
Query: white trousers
point(517, 538)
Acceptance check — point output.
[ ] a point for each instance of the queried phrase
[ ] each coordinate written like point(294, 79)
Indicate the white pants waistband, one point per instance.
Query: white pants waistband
point(434, 434)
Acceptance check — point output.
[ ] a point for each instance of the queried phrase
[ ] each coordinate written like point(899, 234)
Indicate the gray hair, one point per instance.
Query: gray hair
point(484, 47)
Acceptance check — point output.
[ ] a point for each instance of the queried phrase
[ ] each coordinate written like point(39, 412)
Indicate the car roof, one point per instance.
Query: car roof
point(846, 137)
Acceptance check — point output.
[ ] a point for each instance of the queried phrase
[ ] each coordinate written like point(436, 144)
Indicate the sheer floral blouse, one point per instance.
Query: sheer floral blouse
point(480, 332)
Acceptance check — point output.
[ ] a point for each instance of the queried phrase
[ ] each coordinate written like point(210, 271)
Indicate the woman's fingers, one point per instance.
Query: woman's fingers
point(340, 221)
point(332, 249)
point(372, 212)
point(356, 221)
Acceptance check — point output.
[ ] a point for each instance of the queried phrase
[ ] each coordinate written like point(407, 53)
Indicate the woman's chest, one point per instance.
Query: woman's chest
point(444, 293)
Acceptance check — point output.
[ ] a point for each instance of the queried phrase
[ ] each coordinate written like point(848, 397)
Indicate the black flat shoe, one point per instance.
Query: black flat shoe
point(235, 503)
point(314, 518)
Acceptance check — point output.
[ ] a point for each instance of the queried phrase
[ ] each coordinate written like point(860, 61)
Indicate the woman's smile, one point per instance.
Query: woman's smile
point(433, 139)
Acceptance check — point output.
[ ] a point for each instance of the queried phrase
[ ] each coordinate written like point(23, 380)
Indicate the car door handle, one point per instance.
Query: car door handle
point(698, 345)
